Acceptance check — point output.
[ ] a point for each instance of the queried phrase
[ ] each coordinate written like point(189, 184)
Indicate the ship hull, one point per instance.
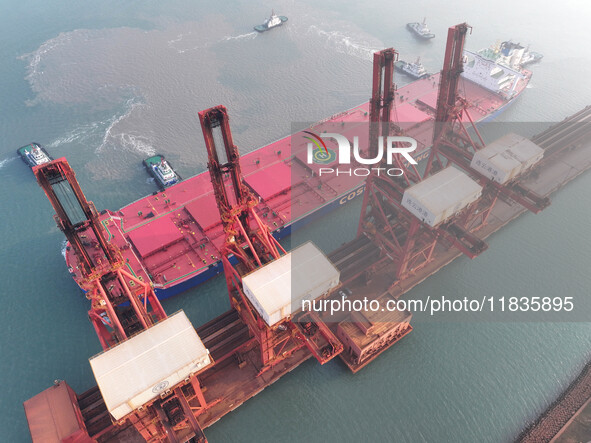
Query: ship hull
point(263, 28)
point(400, 67)
point(164, 293)
point(174, 238)
point(412, 27)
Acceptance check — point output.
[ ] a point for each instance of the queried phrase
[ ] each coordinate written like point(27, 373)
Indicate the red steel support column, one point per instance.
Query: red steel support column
point(111, 311)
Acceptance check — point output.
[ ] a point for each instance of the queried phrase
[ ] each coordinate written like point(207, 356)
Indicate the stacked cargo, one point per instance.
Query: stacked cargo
point(437, 198)
point(156, 361)
point(506, 158)
point(278, 289)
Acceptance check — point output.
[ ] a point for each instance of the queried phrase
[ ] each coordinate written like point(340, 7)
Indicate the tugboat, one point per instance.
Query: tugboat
point(421, 30)
point(161, 170)
point(530, 57)
point(271, 22)
point(415, 70)
point(34, 154)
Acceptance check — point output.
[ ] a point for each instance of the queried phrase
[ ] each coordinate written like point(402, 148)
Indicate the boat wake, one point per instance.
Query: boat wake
point(138, 143)
point(177, 39)
point(79, 134)
point(64, 246)
point(206, 44)
point(34, 58)
point(344, 44)
point(248, 36)
point(6, 161)
point(126, 140)
point(105, 132)
point(180, 37)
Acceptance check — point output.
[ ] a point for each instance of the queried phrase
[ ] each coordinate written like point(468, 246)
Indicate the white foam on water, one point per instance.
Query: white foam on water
point(84, 132)
point(249, 36)
point(203, 43)
point(6, 161)
point(178, 38)
point(194, 48)
point(127, 141)
point(35, 73)
point(206, 44)
point(345, 44)
point(78, 134)
point(35, 57)
point(64, 246)
point(138, 143)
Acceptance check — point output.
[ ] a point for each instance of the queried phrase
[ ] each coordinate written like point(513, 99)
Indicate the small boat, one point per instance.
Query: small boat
point(531, 57)
point(34, 154)
point(421, 30)
point(415, 70)
point(161, 170)
point(527, 57)
point(271, 22)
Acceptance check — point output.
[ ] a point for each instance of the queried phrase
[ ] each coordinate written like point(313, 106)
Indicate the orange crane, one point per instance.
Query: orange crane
point(122, 307)
point(249, 246)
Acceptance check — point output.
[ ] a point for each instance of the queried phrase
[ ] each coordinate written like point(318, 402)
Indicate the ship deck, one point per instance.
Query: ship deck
point(173, 237)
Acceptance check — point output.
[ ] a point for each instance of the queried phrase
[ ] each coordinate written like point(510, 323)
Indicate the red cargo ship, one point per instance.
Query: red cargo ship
point(173, 237)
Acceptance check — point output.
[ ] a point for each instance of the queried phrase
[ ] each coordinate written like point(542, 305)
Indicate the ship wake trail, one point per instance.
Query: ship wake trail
point(63, 248)
point(34, 58)
point(249, 36)
point(6, 161)
point(204, 44)
point(345, 44)
point(181, 37)
point(177, 39)
point(128, 141)
point(79, 134)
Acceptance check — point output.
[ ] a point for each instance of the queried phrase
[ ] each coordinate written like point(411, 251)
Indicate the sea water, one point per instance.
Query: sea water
point(107, 84)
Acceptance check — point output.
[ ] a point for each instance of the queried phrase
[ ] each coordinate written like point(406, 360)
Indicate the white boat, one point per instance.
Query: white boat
point(161, 170)
point(34, 154)
point(271, 22)
point(421, 30)
point(415, 70)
